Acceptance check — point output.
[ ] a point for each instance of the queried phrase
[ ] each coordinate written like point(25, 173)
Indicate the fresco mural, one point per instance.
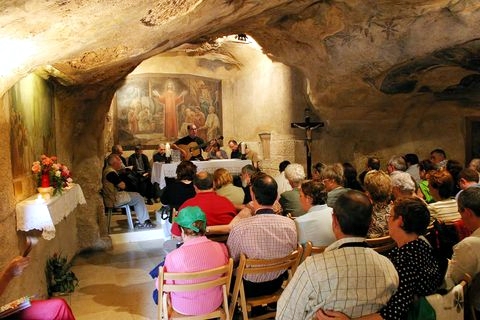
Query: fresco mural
point(153, 108)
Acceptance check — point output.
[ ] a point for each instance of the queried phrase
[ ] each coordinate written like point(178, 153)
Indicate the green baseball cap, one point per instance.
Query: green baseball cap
point(188, 215)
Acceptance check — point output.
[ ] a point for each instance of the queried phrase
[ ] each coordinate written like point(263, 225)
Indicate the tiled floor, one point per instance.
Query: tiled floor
point(115, 284)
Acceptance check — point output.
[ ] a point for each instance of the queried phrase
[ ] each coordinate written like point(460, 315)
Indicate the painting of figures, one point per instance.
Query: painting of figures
point(153, 108)
point(32, 123)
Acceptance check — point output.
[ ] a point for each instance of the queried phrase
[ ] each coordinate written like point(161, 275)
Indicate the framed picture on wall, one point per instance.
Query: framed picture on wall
point(154, 108)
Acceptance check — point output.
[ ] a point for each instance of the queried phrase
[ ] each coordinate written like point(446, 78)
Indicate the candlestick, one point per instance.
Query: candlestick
point(168, 151)
point(243, 147)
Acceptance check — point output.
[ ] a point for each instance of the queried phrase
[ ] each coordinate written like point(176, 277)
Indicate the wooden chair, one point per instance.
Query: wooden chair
point(257, 266)
point(310, 249)
point(382, 244)
point(224, 274)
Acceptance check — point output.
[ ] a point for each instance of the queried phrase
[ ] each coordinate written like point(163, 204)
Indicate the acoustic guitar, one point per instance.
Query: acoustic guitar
point(193, 149)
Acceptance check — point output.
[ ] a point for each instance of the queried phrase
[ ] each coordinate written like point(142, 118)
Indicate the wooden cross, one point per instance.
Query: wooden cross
point(308, 127)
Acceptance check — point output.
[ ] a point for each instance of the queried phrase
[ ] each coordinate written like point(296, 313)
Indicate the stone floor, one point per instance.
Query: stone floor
point(115, 284)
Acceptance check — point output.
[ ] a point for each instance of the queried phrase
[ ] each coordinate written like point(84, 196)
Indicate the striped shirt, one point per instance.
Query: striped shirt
point(444, 210)
point(354, 280)
point(263, 236)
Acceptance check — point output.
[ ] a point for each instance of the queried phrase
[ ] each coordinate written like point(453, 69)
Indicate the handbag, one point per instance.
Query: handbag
point(165, 212)
point(122, 197)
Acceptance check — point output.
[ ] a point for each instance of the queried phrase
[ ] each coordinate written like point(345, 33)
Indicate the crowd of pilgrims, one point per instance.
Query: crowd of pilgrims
point(266, 217)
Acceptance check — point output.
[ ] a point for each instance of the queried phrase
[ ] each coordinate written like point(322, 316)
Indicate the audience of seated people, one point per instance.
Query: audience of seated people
point(414, 260)
point(223, 185)
point(333, 179)
point(425, 168)
point(378, 187)
point(348, 277)
point(282, 182)
point(115, 196)
point(441, 188)
point(255, 230)
point(316, 224)
point(265, 235)
point(290, 200)
point(218, 209)
point(197, 253)
point(51, 309)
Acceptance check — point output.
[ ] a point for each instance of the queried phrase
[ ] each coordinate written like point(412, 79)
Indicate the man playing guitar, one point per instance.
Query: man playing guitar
point(191, 146)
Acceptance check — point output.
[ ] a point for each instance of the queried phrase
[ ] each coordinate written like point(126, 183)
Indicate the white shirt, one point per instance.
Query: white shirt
point(316, 226)
point(444, 210)
point(354, 280)
point(282, 183)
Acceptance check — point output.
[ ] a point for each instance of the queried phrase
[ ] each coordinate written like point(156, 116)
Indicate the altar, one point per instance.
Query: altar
point(160, 171)
point(36, 213)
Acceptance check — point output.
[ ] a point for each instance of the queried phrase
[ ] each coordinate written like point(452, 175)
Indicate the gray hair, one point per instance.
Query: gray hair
point(334, 172)
point(403, 181)
point(475, 164)
point(295, 173)
point(398, 162)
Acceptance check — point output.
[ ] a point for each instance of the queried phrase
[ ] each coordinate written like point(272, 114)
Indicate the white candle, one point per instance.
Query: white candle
point(168, 151)
point(39, 199)
point(242, 147)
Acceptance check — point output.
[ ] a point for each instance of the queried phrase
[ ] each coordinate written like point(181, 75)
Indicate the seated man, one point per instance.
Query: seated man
point(348, 277)
point(235, 154)
point(264, 235)
point(316, 224)
point(113, 187)
point(282, 182)
point(160, 155)
point(467, 178)
point(290, 200)
point(466, 253)
point(219, 210)
point(333, 179)
point(141, 168)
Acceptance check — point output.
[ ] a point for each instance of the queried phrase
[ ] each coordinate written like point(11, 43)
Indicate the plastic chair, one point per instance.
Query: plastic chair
point(256, 266)
point(382, 244)
point(310, 249)
point(224, 274)
point(128, 212)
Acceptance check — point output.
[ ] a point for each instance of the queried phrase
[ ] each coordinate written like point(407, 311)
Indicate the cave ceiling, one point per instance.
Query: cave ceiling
point(393, 47)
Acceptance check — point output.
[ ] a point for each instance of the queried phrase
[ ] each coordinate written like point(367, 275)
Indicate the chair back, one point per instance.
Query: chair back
point(310, 249)
point(223, 278)
point(381, 244)
point(258, 266)
point(448, 306)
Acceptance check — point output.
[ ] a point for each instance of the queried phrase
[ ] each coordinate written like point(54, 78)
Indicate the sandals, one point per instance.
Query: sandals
point(146, 225)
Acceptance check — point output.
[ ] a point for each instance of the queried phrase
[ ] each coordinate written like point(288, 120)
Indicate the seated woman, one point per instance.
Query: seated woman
point(223, 185)
point(216, 152)
point(176, 193)
point(417, 268)
point(196, 254)
point(378, 187)
point(425, 168)
point(54, 309)
point(445, 207)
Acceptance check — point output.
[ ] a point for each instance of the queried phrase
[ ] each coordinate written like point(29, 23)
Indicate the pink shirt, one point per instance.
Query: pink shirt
point(196, 255)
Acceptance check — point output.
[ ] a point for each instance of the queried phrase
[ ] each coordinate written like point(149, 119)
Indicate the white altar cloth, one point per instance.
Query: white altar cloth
point(33, 213)
point(162, 170)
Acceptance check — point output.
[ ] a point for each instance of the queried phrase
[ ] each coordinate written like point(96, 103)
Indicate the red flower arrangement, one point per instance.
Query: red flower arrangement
point(50, 173)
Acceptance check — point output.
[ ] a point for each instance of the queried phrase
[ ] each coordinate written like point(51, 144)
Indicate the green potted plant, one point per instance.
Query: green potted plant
point(60, 279)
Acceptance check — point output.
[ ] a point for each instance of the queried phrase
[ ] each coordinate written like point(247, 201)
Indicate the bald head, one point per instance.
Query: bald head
point(203, 181)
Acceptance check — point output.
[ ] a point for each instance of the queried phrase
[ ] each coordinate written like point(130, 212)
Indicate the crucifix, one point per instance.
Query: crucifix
point(308, 127)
